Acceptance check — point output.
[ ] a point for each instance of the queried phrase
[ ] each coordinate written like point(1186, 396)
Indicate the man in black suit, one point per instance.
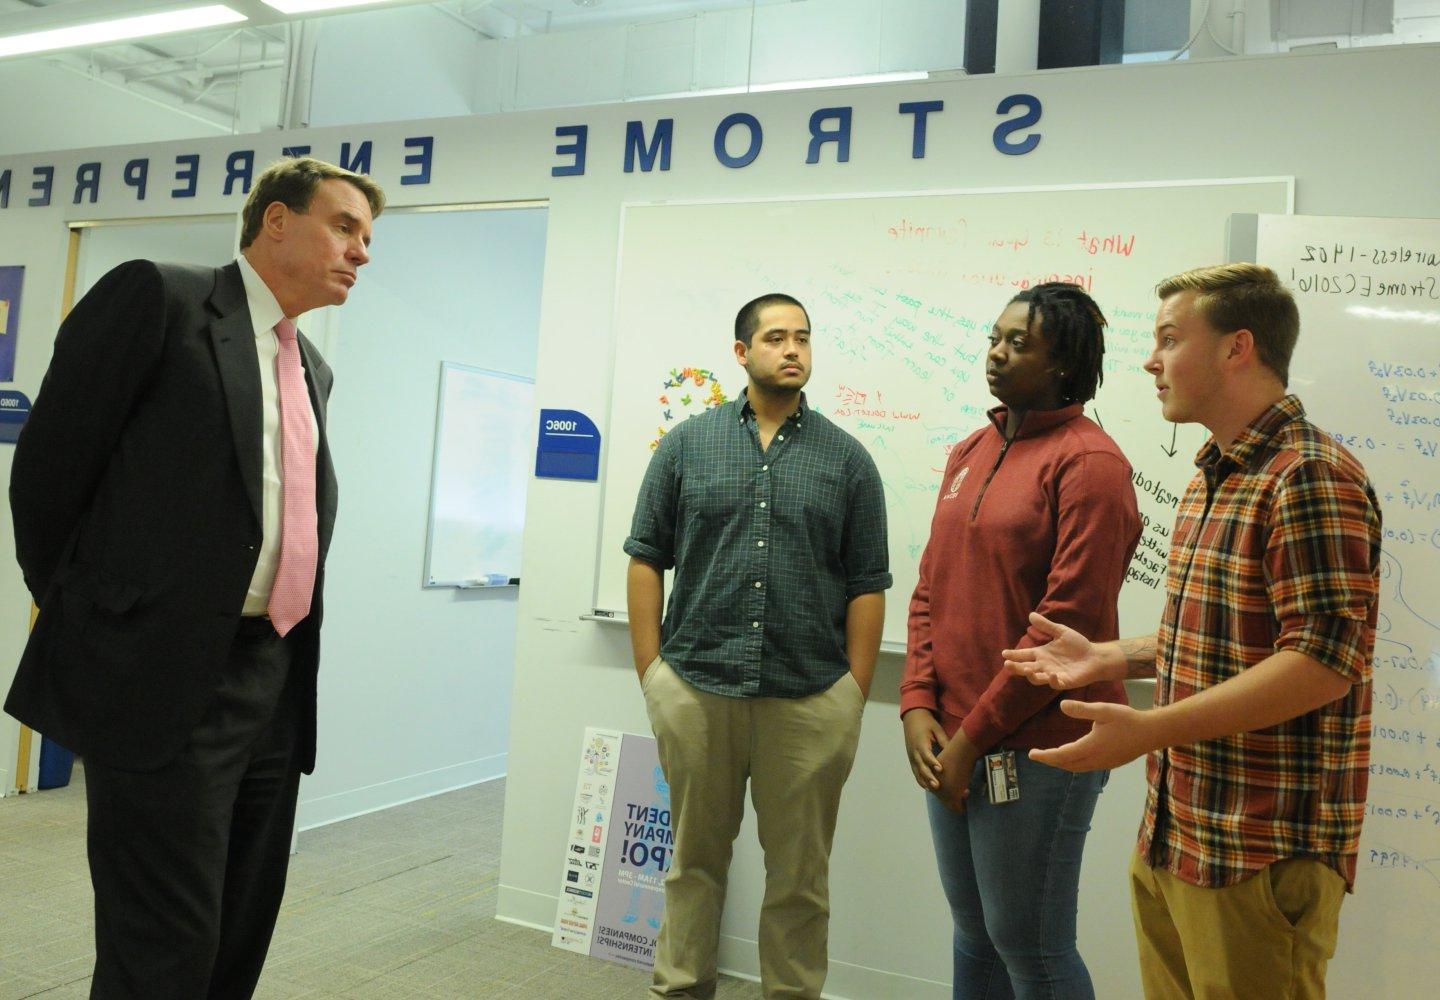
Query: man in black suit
point(174, 470)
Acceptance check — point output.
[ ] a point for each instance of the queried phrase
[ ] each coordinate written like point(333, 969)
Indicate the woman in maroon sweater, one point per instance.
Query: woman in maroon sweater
point(1036, 513)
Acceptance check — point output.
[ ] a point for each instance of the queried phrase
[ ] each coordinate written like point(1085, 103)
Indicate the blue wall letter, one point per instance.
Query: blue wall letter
point(722, 132)
point(921, 110)
point(1002, 131)
point(137, 175)
point(426, 145)
point(635, 143)
point(239, 165)
point(361, 163)
point(87, 178)
point(581, 135)
point(187, 170)
point(44, 180)
point(840, 135)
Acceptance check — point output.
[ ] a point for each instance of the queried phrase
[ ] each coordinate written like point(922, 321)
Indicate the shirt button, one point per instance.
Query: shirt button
point(780, 436)
point(762, 503)
point(761, 543)
point(759, 583)
point(754, 624)
point(764, 468)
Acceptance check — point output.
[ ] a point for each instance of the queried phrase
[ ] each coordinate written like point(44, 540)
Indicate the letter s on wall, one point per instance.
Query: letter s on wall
point(1003, 131)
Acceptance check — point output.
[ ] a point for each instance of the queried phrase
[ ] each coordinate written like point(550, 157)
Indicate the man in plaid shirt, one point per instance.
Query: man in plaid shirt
point(1259, 741)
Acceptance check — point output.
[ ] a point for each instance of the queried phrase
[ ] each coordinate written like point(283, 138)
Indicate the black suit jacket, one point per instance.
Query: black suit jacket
point(136, 497)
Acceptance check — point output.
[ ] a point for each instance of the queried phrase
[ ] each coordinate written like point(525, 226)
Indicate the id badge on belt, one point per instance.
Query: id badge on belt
point(1001, 780)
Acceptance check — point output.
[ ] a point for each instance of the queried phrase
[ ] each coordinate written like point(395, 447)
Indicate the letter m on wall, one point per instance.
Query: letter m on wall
point(659, 145)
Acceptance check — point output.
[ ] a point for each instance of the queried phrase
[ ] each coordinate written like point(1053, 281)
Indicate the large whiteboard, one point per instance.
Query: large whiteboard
point(1368, 368)
point(902, 291)
point(484, 427)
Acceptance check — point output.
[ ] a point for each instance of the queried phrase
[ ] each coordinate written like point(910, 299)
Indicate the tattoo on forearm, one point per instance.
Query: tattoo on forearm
point(1139, 656)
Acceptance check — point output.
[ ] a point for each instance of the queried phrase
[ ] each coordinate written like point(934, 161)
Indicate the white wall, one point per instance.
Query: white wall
point(415, 687)
point(418, 62)
point(195, 241)
point(1334, 121)
point(817, 39)
point(386, 64)
point(362, 76)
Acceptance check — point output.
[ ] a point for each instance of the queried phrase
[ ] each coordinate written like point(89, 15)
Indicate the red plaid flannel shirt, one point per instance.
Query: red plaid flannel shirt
point(1276, 547)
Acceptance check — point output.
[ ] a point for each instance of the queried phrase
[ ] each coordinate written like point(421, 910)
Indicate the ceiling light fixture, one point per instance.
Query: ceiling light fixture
point(311, 6)
point(118, 29)
point(840, 81)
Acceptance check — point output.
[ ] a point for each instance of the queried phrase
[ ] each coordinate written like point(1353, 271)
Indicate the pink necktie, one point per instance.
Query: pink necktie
point(299, 544)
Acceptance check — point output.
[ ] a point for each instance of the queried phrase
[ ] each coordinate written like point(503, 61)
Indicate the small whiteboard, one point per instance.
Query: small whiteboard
point(483, 453)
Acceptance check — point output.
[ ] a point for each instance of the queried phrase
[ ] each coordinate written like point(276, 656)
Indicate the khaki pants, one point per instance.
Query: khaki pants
point(796, 754)
point(1267, 938)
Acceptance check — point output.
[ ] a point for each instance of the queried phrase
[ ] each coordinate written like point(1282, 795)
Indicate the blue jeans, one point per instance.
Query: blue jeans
point(1011, 873)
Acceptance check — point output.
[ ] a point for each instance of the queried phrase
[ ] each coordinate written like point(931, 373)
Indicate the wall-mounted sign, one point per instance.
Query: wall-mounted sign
point(14, 411)
point(11, 278)
point(569, 446)
point(735, 141)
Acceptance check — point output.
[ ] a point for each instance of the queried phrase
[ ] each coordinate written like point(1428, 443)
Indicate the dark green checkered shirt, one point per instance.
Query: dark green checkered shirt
point(768, 548)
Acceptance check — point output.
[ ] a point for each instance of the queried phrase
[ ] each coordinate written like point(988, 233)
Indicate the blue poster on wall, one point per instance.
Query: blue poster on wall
point(569, 446)
point(14, 411)
point(11, 278)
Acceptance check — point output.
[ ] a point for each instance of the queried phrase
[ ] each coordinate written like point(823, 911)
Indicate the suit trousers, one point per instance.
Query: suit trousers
point(796, 754)
point(188, 862)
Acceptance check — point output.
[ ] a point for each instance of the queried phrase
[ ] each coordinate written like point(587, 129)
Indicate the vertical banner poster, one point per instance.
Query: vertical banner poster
point(612, 894)
point(11, 278)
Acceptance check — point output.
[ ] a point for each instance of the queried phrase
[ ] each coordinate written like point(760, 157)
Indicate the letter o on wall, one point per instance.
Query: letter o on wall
point(722, 132)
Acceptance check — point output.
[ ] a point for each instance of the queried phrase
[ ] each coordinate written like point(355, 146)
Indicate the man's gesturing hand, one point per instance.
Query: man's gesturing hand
point(1067, 661)
point(1119, 735)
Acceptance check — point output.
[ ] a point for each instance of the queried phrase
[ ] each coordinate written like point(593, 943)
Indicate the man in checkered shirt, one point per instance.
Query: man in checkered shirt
point(1259, 742)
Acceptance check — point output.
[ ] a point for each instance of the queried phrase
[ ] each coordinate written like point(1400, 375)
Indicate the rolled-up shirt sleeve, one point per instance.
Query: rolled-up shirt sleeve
point(865, 546)
point(652, 529)
point(1322, 567)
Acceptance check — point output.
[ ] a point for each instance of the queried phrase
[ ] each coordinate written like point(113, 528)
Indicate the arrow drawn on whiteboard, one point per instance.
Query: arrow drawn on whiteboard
point(1174, 429)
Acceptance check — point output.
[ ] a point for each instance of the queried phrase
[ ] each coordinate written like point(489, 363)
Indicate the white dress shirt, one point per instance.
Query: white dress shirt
point(265, 312)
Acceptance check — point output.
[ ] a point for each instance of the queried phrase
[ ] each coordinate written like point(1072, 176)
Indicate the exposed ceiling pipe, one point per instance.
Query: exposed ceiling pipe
point(464, 12)
point(204, 72)
point(196, 98)
point(462, 19)
point(144, 63)
point(299, 75)
point(170, 100)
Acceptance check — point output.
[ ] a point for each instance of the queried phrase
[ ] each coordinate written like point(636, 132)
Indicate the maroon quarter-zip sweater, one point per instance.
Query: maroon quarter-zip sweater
point(1045, 522)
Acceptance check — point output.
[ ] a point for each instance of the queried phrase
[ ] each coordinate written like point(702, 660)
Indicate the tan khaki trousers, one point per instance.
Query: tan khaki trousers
point(1267, 938)
point(796, 754)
